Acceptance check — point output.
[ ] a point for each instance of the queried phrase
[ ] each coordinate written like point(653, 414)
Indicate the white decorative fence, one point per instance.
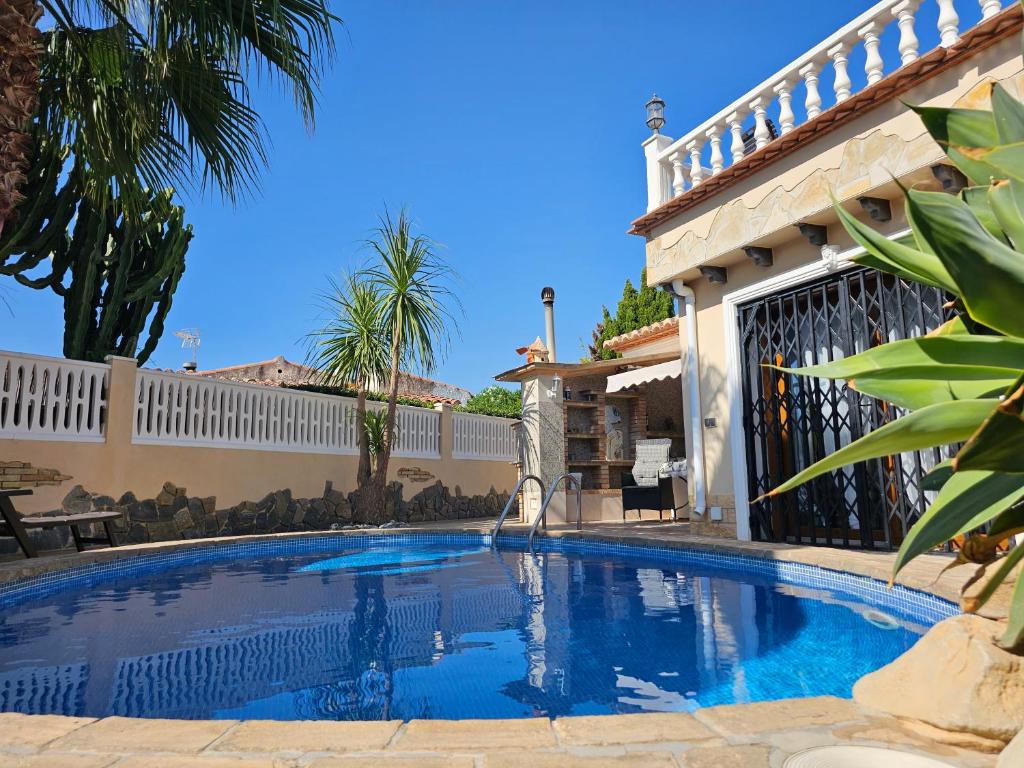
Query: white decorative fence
point(484, 437)
point(674, 166)
point(45, 398)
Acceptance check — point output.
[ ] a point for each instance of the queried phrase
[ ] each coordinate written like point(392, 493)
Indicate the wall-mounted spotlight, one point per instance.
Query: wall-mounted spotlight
point(816, 234)
point(760, 256)
point(716, 275)
point(951, 178)
point(877, 208)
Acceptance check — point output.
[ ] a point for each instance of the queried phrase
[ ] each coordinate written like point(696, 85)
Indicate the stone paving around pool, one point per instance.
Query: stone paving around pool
point(734, 736)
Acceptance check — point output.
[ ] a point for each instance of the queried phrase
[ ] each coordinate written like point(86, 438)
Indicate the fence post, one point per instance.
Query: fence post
point(120, 418)
point(446, 428)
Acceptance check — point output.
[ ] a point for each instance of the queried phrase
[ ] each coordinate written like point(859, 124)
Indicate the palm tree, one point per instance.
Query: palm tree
point(151, 95)
point(412, 284)
point(352, 349)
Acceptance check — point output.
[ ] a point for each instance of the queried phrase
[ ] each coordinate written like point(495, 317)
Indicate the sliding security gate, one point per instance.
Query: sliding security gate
point(790, 422)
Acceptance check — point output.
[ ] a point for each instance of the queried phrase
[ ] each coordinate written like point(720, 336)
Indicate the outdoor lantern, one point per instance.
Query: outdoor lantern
point(556, 382)
point(655, 113)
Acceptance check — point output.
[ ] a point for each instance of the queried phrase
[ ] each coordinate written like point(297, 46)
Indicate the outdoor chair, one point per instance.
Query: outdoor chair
point(17, 526)
point(643, 488)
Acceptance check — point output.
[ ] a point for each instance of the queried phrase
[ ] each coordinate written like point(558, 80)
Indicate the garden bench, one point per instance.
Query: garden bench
point(17, 526)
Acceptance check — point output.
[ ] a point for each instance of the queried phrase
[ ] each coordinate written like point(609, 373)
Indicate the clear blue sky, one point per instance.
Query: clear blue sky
point(512, 132)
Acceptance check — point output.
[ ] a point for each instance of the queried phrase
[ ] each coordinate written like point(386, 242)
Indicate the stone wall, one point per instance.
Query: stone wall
point(21, 474)
point(172, 514)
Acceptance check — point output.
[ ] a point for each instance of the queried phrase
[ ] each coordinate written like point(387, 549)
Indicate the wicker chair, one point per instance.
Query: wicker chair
point(642, 488)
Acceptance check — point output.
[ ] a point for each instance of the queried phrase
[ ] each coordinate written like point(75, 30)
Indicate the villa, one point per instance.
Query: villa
point(237, 567)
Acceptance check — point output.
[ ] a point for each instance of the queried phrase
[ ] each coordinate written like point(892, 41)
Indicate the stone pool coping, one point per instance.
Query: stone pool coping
point(740, 735)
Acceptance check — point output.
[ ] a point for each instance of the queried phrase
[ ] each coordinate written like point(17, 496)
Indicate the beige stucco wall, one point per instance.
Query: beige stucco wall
point(117, 465)
point(857, 159)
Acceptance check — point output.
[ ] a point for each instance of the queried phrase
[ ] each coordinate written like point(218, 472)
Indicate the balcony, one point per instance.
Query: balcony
point(889, 48)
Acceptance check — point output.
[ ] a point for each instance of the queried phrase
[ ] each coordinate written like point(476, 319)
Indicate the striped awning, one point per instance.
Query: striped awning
point(673, 369)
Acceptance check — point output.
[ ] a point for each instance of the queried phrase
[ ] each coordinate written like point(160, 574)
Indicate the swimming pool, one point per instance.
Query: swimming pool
point(407, 626)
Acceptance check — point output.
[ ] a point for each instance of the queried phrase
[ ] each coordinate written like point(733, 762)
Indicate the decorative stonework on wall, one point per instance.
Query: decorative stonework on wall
point(21, 474)
point(415, 474)
point(173, 514)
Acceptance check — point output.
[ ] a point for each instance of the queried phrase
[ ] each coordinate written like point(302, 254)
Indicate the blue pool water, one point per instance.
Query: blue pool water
point(439, 627)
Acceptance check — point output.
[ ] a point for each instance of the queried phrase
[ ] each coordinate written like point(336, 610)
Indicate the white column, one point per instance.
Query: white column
point(717, 160)
point(786, 116)
point(989, 8)
point(842, 83)
point(761, 135)
point(809, 72)
point(735, 121)
point(696, 172)
point(873, 64)
point(659, 182)
point(678, 180)
point(904, 13)
point(948, 24)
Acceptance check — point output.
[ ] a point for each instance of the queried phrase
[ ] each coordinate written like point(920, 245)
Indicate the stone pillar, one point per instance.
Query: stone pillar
point(543, 444)
point(120, 418)
point(447, 440)
point(659, 181)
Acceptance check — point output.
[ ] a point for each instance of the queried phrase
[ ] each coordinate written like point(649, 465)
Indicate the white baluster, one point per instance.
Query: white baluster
point(989, 8)
point(761, 135)
point(948, 24)
point(717, 160)
point(842, 82)
point(786, 116)
point(904, 13)
point(696, 172)
point(735, 121)
point(678, 180)
point(809, 72)
point(873, 64)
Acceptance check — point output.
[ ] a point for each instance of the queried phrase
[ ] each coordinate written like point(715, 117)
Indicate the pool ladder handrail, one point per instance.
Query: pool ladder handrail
point(511, 501)
point(542, 517)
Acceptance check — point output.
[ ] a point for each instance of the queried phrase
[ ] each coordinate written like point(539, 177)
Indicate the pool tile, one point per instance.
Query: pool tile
point(600, 730)
point(741, 720)
point(728, 757)
point(127, 735)
point(308, 736)
point(17, 730)
point(458, 735)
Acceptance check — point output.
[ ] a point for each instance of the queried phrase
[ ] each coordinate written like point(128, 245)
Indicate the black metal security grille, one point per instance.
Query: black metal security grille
point(790, 422)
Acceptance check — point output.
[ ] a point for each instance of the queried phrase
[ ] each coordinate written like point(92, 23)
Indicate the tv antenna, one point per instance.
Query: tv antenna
point(190, 340)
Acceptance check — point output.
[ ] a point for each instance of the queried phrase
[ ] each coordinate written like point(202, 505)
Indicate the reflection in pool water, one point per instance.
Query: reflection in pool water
point(436, 631)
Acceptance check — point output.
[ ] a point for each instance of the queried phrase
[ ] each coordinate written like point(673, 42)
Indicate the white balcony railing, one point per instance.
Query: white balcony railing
point(796, 93)
point(46, 398)
point(484, 437)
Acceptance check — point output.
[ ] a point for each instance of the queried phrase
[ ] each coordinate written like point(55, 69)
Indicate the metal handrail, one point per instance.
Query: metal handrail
point(511, 501)
point(551, 493)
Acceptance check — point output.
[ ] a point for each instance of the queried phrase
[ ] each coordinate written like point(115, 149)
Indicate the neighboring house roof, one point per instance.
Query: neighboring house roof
point(279, 371)
point(659, 330)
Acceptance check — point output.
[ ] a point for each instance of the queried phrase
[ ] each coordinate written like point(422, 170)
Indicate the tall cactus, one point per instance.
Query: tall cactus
point(115, 272)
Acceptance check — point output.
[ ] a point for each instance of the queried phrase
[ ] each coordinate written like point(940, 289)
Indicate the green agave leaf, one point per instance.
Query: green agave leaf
point(1006, 203)
point(977, 199)
point(1007, 115)
point(928, 427)
point(1005, 161)
point(998, 576)
point(1014, 634)
point(937, 476)
point(955, 129)
point(1006, 522)
point(967, 500)
point(999, 443)
point(993, 356)
point(989, 275)
point(954, 327)
point(916, 387)
point(895, 257)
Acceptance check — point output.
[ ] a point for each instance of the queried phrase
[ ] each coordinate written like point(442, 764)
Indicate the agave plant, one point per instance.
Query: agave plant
point(964, 382)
